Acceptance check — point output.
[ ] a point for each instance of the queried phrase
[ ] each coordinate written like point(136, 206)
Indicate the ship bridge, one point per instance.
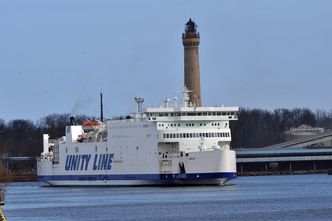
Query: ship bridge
point(192, 113)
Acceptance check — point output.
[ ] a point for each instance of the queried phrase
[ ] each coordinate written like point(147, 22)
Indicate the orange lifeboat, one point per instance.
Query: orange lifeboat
point(90, 125)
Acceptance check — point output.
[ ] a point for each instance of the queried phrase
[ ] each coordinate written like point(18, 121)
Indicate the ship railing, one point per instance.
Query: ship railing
point(192, 118)
point(58, 141)
point(166, 155)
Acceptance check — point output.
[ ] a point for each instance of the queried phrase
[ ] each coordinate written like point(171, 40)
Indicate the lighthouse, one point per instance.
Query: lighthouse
point(190, 40)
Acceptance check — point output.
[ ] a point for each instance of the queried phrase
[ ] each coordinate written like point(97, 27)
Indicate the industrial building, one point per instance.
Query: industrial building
point(311, 154)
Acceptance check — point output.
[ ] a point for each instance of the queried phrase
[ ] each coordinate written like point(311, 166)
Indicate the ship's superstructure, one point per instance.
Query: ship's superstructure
point(172, 144)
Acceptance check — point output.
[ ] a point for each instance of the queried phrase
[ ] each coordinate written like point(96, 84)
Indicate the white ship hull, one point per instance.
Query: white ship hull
point(213, 167)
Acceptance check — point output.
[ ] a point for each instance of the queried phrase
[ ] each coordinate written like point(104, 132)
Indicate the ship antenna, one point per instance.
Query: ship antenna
point(139, 102)
point(186, 98)
point(101, 108)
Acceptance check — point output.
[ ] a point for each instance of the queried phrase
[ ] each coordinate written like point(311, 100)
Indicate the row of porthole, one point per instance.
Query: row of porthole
point(130, 126)
point(177, 114)
point(189, 125)
point(120, 136)
point(77, 149)
point(196, 135)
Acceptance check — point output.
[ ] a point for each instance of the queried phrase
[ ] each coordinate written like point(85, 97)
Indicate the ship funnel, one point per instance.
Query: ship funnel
point(139, 102)
point(101, 108)
point(72, 121)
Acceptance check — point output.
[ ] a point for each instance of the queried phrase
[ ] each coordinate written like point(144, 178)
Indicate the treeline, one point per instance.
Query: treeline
point(24, 137)
point(259, 128)
point(254, 128)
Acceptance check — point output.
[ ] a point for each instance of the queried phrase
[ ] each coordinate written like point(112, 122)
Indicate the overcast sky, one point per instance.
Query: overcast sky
point(57, 55)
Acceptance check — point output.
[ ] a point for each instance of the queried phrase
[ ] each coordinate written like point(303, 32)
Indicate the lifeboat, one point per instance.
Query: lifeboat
point(90, 125)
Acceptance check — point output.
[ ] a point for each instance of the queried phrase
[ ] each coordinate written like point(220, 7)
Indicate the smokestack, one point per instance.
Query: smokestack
point(190, 40)
point(101, 108)
point(72, 121)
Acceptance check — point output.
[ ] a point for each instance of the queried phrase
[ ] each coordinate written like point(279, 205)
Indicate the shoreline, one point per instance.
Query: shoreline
point(23, 178)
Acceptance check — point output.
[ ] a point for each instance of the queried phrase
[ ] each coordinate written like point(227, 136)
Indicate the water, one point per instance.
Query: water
point(297, 197)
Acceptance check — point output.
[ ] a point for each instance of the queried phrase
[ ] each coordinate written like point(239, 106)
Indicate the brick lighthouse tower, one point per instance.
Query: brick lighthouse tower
point(190, 40)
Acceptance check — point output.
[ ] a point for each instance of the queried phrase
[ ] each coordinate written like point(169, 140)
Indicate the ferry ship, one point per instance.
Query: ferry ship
point(179, 144)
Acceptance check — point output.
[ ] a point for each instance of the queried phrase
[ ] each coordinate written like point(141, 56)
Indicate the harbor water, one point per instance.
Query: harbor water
point(257, 198)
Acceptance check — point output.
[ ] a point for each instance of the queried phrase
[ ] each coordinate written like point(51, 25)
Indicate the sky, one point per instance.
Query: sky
point(56, 56)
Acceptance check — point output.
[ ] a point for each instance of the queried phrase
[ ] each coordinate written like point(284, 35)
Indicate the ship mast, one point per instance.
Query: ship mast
point(101, 108)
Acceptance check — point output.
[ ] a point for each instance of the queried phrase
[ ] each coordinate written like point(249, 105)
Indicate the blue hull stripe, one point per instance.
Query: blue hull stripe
point(160, 177)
